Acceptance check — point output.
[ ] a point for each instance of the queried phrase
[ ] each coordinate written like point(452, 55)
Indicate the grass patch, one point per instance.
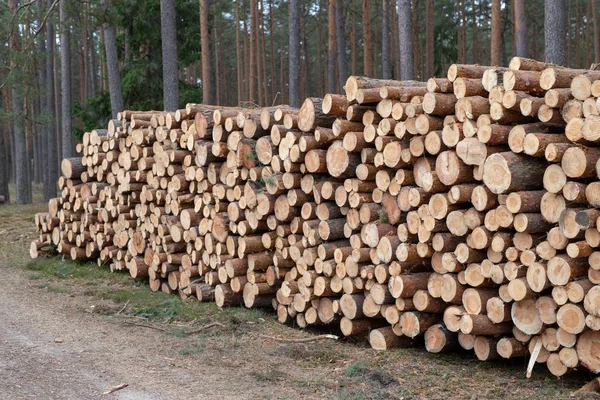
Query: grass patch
point(197, 349)
point(351, 394)
point(356, 368)
point(271, 374)
point(64, 276)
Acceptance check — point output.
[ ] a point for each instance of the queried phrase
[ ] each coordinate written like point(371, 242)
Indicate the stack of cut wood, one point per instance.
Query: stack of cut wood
point(460, 212)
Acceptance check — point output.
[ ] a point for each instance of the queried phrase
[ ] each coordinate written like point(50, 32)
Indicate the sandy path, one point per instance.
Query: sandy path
point(95, 354)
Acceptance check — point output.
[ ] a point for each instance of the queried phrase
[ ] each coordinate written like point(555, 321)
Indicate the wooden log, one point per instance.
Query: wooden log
point(508, 172)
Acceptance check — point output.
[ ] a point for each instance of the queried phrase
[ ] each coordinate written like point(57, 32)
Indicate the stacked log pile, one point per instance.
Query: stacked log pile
point(458, 212)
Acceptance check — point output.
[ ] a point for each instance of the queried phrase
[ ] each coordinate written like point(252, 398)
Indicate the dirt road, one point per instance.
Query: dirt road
point(59, 352)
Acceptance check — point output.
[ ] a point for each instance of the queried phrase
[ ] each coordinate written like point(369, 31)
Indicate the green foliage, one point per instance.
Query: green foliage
point(189, 93)
point(356, 368)
point(93, 113)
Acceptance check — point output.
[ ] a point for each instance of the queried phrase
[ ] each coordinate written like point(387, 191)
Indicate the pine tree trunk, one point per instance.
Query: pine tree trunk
point(253, 84)
point(496, 45)
point(264, 58)
point(43, 107)
point(294, 57)
point(353, 55)
point(92, 60)
point(385, 41)
point(577, 35)
point(51, 161)
point(407, 71)
point(341, 44)
point(331, 48)
point(112, 67)
point(569, 36)
point(474, 34)
point(272, 48)
point(596, 32)
point(459, 34)
point(4, 161)
point(103, 67)
point(168, 29)
point(520, 29)
point(258, 53)
point(238, 56)
point(318, 41)
point(85, 70)
point(368, 43)
point(429, 39)
point(247, 49)
point(65, 84)
point(416, 34)
point(304, 72)
point(217, 69)
point(588, 45)
point(20, 147)
point(395, 42)
point(205, 48)
point(554, 32)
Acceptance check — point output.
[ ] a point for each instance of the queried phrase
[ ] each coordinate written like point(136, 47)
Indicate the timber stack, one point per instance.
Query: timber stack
point(462, 212)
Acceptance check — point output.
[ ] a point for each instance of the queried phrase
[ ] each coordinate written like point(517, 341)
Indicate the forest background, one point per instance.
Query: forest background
point(68, 66)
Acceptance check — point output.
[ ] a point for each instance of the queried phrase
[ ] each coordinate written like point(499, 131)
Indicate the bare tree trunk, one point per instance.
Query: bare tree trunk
point(577, 35)
point(294, 56)
point(92, 60)
point(353, 40)
point(272, 48)
point(496, 46)
point(588, 44)
point(205, 48)
point(341, 44)
point(247, 49)
point(168, 30)
point(257, 53)
point(569, 37)
point(474, 34)
point(596, 32)
point(305, 89)
point(331, 50)
point(42, 152)
point(217, 69)
point(103, 67)
point(505, 22)
point(368, 44)
point(429, 39)
point(320, 85)
point(65, 86)
point(20, 152)
point(112, 66)
point(415, 37)
point(51, 166)
point(4, 160)
point(27, 117)
point(459, 34)
point(253, 84)
point(395, 41)
point(375, 37)
point(520, 28)
point(407, 71)
point(554, 32)
point(263, 54)
point(238, 54)
point(385, 41)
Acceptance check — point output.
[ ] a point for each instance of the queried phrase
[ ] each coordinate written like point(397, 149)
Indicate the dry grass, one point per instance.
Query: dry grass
point(347, 369)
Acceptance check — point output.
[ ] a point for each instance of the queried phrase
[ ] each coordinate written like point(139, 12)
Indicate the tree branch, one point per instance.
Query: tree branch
point(36, 33)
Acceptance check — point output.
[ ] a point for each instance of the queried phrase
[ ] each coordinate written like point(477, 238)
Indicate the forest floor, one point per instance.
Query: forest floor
point(73, 330)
